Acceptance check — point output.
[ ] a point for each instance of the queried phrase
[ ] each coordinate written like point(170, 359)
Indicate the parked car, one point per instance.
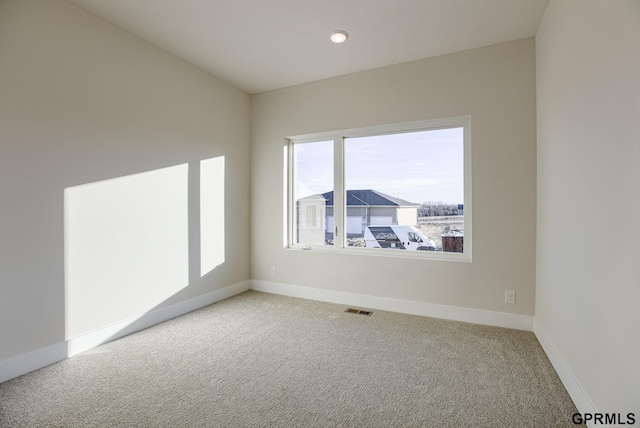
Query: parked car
point(398, 237)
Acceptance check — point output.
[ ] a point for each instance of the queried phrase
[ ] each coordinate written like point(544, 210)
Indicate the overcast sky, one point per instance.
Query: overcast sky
point(418, 166)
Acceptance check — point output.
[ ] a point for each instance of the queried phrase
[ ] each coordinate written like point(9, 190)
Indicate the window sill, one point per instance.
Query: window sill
point(379, 252)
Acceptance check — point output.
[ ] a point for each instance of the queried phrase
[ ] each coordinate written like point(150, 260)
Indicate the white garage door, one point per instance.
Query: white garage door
point(375, 220)
point(330, 224)
point(354, 224)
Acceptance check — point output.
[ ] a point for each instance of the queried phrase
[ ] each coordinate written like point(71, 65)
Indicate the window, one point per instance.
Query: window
point(413, 237)
point(312, 178)
point(353, 190)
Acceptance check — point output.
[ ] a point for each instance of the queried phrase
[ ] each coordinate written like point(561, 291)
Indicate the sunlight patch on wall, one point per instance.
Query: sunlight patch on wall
point(212, 239)
point(126, 246)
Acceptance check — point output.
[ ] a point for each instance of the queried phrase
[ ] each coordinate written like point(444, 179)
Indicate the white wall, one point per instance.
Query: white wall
point(494, 85)
point(588, 257)
point(81, 103)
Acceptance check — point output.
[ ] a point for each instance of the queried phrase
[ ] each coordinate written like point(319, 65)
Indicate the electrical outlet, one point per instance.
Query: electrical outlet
point(510, 297)
point(273, 271)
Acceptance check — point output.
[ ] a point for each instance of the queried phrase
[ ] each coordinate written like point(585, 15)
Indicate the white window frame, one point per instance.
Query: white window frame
point(339, 209)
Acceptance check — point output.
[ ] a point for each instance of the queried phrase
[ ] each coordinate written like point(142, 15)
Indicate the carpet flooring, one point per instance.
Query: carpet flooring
point(263, 360)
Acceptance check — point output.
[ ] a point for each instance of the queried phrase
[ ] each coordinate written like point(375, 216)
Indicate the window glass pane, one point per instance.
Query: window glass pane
point(406, 190)
point(313, 193)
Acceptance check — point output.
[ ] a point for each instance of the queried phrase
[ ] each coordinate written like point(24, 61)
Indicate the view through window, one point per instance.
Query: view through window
point(402, 190)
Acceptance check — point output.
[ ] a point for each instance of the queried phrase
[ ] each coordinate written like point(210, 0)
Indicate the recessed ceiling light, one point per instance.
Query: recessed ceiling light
point(339, 36)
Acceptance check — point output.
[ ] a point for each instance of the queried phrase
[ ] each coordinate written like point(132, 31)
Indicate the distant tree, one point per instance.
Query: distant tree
point(434, 209)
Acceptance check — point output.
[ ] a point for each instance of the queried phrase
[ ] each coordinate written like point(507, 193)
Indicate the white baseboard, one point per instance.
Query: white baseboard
point(455, 313)
point(95, 338)
point(571, 384)
point(30, 361)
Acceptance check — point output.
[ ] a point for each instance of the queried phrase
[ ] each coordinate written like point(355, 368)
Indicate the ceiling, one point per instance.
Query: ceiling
point(260, 45)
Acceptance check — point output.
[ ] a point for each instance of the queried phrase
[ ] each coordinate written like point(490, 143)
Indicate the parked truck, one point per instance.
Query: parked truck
point(397, 237)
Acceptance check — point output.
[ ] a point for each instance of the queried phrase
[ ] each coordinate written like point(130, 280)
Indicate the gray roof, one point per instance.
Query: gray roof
point(370, 198)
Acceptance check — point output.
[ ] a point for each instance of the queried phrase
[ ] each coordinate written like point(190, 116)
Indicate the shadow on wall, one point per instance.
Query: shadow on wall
point(127, 244)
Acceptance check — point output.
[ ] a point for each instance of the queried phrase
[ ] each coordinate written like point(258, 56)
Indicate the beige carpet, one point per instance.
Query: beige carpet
point(262, 360)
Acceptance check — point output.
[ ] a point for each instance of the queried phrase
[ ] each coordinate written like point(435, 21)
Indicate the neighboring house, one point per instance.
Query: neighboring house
point(370, 207)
